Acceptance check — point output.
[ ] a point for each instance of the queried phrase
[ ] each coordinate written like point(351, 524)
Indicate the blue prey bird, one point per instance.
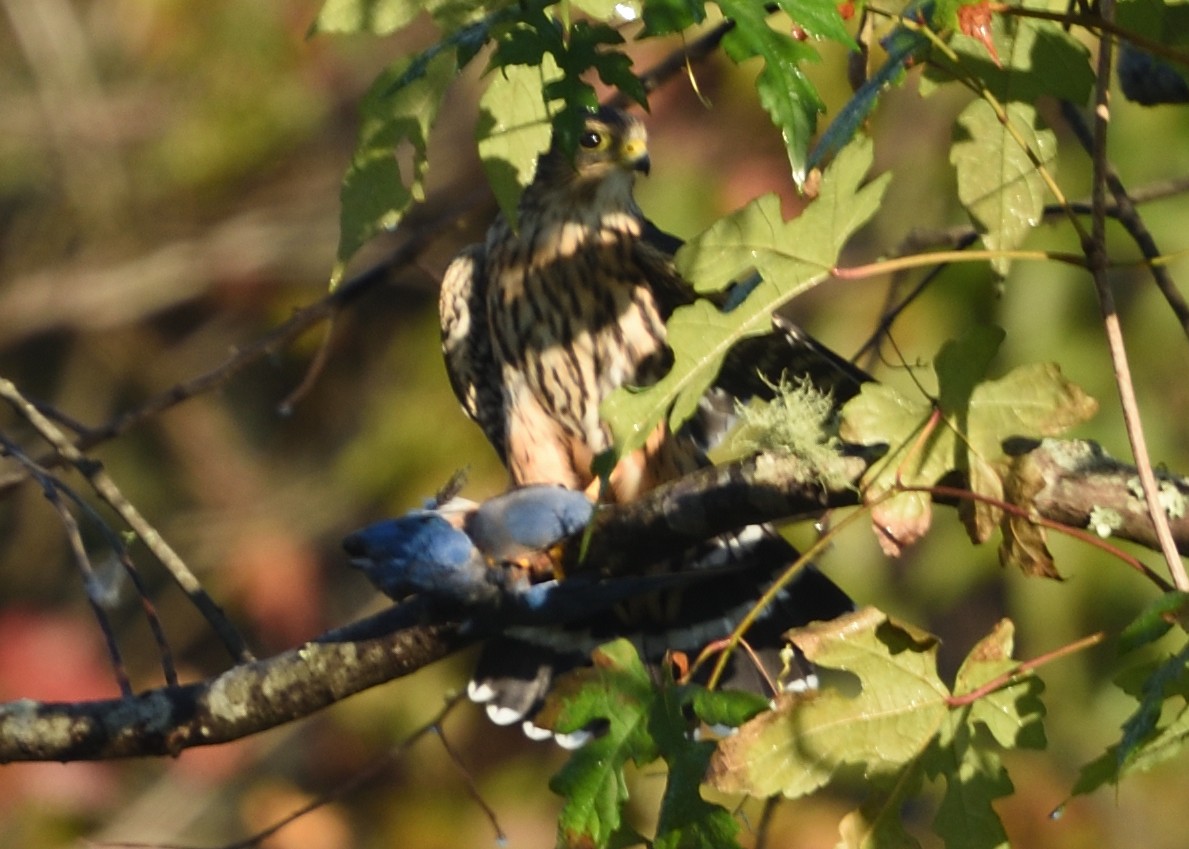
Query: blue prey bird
point(488, 564)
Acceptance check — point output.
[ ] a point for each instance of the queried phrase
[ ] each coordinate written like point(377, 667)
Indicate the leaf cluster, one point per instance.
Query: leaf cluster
point(891, 722)
point(899, 725)
point(558, 54)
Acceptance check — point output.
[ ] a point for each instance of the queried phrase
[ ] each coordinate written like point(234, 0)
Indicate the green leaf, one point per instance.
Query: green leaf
point(1145, 744)
point(727, 707)
point(1038, 58)
point(375, 193)
point(666, 16)
point(974, 778)
point(615, 69)
point(846, 123)
point(687, 821)
point(799, 746)
point(1013, 714)
point(1140, 725)
point(513, 129)
point(792, 256)
point(785, 92)
point(644, 721)
point(1030, 401)
point(966, 754)
point(998, 183)
point(617, 690)
point(820, 18)
point(1154, 622)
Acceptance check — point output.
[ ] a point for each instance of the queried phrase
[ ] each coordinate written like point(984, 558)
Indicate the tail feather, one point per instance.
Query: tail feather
point(516, 670)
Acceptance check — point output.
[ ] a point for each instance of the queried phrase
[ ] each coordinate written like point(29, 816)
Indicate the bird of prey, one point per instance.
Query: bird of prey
point(542, 321)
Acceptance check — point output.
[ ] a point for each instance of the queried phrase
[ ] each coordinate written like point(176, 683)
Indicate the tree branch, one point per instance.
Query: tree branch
point(252, 697)
point(244, 700)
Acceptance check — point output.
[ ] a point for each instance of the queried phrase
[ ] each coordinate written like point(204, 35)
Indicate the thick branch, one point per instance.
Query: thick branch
point(715, 500)
point(1076, 478)
point(1073, 479)
point(244, 700)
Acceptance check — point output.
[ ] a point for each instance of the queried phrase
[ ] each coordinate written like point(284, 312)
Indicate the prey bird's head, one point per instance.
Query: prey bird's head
point(612, 148)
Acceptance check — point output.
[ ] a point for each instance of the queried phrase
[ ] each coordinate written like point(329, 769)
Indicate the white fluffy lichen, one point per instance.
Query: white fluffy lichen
point(800, 420)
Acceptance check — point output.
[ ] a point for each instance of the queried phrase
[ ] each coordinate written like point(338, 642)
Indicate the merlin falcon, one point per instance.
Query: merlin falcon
point(540, 323)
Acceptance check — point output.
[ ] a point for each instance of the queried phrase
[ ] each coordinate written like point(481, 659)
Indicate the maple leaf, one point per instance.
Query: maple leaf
point(962, 430)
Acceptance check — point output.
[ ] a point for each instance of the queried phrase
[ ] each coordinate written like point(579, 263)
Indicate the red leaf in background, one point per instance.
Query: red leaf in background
point(974, 20)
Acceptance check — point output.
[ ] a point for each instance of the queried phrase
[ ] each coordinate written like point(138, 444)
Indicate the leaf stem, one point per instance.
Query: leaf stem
point(1080, 534)
point(888, 266)
point(1022, 669)
point(769, 596)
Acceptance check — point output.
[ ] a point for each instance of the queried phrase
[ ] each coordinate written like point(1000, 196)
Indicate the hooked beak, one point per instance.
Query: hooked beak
point(635, 156)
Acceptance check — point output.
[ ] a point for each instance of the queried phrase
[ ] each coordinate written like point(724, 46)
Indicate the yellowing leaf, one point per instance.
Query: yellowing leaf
point(1024, 543)
point(799, 746)
point(1012, 713)
point(973, 421)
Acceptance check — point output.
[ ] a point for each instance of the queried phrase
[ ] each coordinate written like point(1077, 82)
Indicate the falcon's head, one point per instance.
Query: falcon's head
point(612, 148)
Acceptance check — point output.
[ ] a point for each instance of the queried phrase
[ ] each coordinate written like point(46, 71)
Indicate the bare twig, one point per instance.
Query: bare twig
point(350, 785)
point(472, 787)
point(1125, 211)
point(49, 488)
point(419, 238)
point(106, 489)
point(119, 550)
point(1096, 253)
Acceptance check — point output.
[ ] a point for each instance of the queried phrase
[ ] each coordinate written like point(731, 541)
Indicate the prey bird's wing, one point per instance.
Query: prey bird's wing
point(466, 344)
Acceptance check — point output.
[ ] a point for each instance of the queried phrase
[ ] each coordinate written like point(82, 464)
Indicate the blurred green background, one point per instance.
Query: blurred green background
point(169, 192)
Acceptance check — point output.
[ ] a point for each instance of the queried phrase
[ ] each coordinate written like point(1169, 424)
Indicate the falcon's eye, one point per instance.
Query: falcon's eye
point(591, 140)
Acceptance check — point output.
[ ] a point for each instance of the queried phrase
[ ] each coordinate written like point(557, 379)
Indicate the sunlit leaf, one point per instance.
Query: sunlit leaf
point(643, 721)
point(513, 129)
point(1037, 58)
point(616, 690)
point(785, 92)
point(1012, 713)
point(799, 746)
point(819, 18)
point(998, 182)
